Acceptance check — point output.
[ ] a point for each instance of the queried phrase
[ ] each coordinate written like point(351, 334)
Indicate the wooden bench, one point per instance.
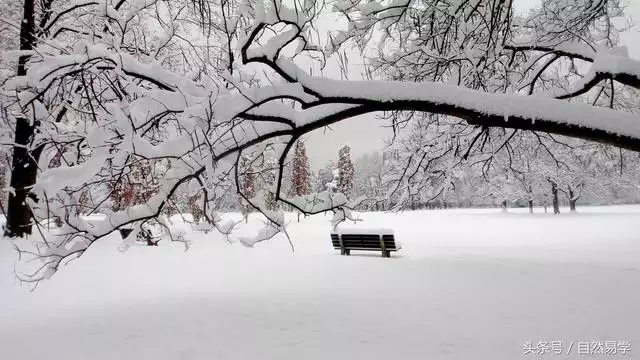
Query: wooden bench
point(381, 240)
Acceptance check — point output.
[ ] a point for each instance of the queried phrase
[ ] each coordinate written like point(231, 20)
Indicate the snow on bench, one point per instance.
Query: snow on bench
point(365, 240)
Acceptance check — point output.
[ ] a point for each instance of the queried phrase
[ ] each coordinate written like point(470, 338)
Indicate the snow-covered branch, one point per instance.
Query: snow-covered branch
point(119, 114)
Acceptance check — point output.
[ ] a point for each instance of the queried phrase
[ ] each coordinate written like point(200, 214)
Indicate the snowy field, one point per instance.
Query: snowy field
point(472, 284)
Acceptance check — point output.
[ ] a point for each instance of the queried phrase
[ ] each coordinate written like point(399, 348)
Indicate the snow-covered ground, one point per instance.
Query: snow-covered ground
point(468, 284)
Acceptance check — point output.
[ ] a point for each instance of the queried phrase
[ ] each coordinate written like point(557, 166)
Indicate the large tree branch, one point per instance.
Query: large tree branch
point(605, 64)
point(476, 107)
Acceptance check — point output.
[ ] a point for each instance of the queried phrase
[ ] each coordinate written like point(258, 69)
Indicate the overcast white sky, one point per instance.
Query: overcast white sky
point(366, 134)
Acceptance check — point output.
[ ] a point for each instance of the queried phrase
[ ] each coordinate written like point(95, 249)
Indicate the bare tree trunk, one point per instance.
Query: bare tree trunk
point(572, 200)
point(554, 192)
point(504, 206)
point(572, 205)
point(531, 206)
point(24, 163)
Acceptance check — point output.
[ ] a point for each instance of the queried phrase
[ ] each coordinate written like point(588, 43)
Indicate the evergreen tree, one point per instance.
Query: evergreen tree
point(300, 171)
point(345, 167)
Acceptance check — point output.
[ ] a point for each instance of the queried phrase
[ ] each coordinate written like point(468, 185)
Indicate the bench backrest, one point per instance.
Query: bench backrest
point(363, 241)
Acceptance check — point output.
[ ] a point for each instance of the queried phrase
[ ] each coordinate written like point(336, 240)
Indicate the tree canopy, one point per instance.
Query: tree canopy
point(202, 91)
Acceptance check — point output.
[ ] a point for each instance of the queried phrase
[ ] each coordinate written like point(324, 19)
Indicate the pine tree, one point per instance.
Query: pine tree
point(345, 166)
point(300, 171)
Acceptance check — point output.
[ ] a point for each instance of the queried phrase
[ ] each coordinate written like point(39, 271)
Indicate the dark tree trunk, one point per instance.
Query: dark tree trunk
point(554, 193)
point(503, 205)
point(124, 232)
point(531, 206)
point(24, 163)
point(572, 200)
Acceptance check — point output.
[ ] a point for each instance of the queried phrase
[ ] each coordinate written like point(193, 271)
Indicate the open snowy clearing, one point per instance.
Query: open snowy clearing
point(468, 284)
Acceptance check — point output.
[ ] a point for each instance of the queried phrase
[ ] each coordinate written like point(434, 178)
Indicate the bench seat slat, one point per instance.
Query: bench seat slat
point(337, 246)
point(371, 247)
point(363, 242)
point(368, 236)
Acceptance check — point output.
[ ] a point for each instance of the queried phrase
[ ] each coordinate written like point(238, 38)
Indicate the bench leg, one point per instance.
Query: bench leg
point(348, 252)
point(386, 253)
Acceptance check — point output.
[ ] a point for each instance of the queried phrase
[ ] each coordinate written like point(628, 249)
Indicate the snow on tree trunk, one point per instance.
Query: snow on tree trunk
point(24, 165)
point(4, 171)
point(572, 200)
